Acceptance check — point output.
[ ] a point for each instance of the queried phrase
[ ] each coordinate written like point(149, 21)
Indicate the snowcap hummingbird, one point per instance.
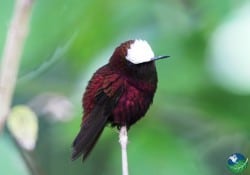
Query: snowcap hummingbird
point(118, 93)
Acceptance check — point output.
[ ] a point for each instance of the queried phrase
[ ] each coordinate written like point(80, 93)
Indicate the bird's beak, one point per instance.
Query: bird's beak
point(159, 57)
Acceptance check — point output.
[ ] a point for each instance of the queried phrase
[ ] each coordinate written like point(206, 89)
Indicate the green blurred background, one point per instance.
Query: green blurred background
point(201, 111)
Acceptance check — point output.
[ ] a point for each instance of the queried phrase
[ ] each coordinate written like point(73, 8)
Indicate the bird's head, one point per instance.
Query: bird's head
point(134, 52)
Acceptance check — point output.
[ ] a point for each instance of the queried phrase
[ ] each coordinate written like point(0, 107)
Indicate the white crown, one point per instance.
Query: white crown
point(139, 52)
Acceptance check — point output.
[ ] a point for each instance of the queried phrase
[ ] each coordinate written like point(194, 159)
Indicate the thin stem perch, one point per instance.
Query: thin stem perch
point(12, 53)
point(123, 139)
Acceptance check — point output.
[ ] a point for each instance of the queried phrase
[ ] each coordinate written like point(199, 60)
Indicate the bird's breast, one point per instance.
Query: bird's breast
point(134, 103)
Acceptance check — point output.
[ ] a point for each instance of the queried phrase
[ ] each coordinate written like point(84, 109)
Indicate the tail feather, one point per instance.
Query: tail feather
point(90, 132)
point(84, 143)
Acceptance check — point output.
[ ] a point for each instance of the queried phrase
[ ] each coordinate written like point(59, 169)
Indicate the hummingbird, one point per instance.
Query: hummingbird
point(119, 93)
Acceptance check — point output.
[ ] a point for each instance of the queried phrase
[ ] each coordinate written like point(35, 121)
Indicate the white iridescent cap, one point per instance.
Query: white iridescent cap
point(139, 52)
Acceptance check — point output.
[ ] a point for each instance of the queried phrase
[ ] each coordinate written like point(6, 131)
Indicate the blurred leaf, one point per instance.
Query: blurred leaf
point(23, 124)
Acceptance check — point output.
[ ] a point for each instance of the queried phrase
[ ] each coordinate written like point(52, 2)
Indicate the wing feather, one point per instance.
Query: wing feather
point(94, 123)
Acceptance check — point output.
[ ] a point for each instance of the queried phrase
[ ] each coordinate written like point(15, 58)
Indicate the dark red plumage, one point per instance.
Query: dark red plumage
point(119, 93)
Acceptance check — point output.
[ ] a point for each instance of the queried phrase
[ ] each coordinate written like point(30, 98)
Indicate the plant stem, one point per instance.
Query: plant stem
point(123, 139)
point(13, 49)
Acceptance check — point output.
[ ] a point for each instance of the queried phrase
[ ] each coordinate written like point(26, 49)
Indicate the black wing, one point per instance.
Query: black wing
point(94, 124)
